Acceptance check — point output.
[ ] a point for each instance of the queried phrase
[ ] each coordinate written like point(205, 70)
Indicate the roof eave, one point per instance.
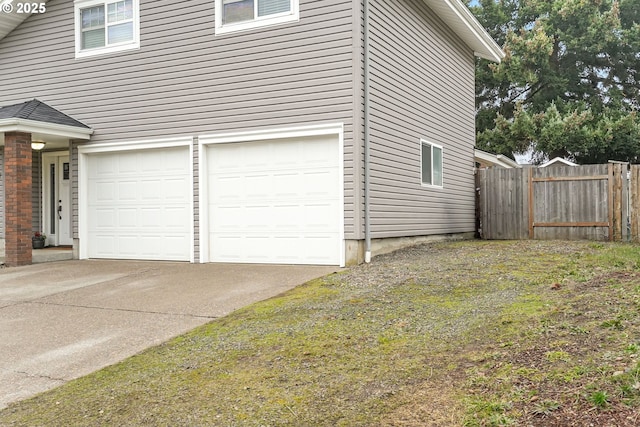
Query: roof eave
point(32, 126)
point(462, 21)
point(496, 159)
point(508, 161)
point(474, 34)
point(558, 160)
point(10, 20)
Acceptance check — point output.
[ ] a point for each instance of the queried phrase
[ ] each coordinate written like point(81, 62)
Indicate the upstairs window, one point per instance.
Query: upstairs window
point(431, 164)
point(239, 15)
point(106, 26)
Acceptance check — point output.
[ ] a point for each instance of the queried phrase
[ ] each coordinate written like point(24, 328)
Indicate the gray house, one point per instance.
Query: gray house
point(256, 131)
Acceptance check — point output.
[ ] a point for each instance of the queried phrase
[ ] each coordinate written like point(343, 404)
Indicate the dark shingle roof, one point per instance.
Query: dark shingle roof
point(39, 112)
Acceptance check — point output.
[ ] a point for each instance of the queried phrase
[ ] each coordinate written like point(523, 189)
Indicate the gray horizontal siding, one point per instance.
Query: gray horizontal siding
point(196, 199)
point(2, 198)
point(185, 80)
point(229, 82)
point(75, 191)
point(422, 87)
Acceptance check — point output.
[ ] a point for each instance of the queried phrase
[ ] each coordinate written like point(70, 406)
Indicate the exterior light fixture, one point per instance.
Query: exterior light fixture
point(37, 145)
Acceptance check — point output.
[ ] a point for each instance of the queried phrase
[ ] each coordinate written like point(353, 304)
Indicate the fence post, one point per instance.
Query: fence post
point(531, 210)
point(610, 199)
point(617, 201)
point(478, 233)
point(626, 203)
point(635, 203)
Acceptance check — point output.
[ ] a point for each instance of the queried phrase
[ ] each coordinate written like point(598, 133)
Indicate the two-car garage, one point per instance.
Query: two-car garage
point(277, 200)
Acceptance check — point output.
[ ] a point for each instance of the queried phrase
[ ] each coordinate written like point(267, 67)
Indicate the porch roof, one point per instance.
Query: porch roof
point(42, 121)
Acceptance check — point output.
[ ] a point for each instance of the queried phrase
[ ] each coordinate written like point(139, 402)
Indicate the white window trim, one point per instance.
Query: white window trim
point(134, 44)
point(424, 142)
point(270, 20)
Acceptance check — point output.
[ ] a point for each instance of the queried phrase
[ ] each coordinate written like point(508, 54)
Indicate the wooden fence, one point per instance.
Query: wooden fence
point(594, 202)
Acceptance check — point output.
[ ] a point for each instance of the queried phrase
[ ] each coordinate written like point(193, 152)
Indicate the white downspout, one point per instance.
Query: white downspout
point(367, 213)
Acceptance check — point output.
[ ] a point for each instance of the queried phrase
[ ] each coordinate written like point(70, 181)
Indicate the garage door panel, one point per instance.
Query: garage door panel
point(131, 245)
point(228, 217)
point(104, 218)
point(286, 185)
point(174, 218)
point(283, 154)
point(225, 186)
point(259, 248)
point(139, 205)
point(127, 191)
point(313, 217)
point(287, 216)
point(234, 248)
point(255, 186)
point(275, 201)
point(314, 183)
point(148, 218)
point(315, 153)
point(130, 164)
point(148, 190)
point(318, 245)
point(318, 216)
point(104, 192)
point(105, 244)
point(107, 166)
point(151, 162)
point(127, 218)
point(174, 189)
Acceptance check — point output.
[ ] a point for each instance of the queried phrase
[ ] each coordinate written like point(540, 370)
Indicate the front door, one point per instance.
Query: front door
point(57, 198)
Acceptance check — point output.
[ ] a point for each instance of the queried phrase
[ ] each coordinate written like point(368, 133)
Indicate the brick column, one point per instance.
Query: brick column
point(17, 201)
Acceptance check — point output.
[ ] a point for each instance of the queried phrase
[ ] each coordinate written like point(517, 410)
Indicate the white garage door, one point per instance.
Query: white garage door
point(275, 201)
point(139, 205)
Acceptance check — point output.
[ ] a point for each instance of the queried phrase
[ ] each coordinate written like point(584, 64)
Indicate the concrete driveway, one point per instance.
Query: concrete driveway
point(63, 320)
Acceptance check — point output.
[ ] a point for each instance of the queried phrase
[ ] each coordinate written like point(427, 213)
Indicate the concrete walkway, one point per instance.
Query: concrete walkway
point(48, 254)
point(62, 320)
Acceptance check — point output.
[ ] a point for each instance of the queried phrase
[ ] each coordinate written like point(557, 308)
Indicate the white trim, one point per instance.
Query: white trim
point(496, 159)
point(203, 210)
point(558, 160)
point(112, 48)
point(108, 147)
point(460, 19)
point(265, 135)
point(277, 133)
point(83, 202)
point(341, 237)
point(432, 145)
point(270, 20)
point(491, 50)
point(46, 159)
point(34, 126)
point(112, 147)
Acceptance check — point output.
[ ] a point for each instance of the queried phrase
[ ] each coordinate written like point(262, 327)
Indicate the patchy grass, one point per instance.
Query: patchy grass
point(466, 333)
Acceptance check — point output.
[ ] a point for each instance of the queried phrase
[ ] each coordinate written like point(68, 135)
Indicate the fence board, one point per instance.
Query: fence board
point(503, 208)
point(583, 202)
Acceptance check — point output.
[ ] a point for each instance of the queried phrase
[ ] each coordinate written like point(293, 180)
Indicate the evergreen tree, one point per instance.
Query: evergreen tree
point(569, 85)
